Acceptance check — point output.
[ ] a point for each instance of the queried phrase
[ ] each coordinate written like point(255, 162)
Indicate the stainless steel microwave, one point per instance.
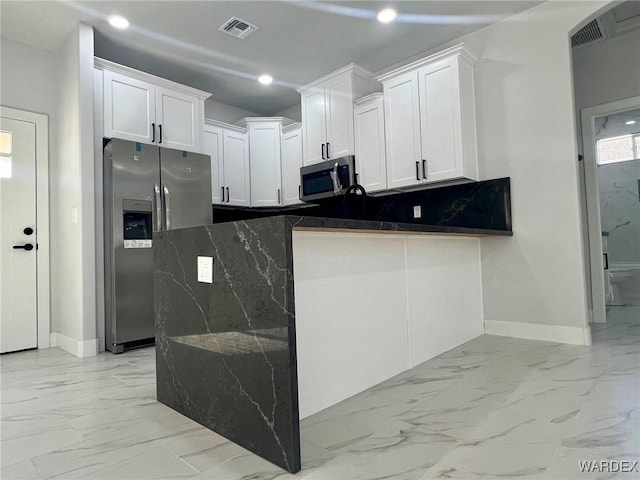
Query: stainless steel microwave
point(327, 179)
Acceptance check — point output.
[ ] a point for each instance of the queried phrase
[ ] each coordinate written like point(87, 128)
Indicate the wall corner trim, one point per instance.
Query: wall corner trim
point(537, 331)
point(78, 348)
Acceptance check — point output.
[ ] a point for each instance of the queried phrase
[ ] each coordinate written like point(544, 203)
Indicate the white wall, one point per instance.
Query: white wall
point(72, 203)
point(526, 130)
point(25, 78)
point(225, 113)
point(294, 113)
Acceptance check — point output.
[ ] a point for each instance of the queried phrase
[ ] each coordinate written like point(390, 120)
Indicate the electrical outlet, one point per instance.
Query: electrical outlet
point(205, 269)
point(417, 211)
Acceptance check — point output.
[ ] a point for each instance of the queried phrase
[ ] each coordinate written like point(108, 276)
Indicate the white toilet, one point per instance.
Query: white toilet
point(617, 276)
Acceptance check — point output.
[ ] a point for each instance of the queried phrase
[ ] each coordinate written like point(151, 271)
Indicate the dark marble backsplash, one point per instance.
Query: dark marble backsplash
point(485, 205)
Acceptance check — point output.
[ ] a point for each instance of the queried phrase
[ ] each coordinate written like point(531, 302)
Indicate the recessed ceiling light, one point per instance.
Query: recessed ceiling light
point(386, 15)
point(630, 122)
point(119, 22)
point(265, 79)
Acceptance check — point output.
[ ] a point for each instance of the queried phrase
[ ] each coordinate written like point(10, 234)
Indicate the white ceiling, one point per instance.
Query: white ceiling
point(297, 41)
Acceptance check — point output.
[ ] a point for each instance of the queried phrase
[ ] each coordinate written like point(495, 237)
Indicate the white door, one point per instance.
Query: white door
point(264, 160)
point(291, 163)
point(371, 165)
point(18, 242)
point(315, 128)
point(339, 100)
point(236, 168)
point(129, 108)
point(402, 128)
point(212, 146)
point(177, 116)
point(440, 124)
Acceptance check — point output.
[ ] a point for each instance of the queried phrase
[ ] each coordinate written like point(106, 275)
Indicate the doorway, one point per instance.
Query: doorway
point(24, 230)
point(611, 141)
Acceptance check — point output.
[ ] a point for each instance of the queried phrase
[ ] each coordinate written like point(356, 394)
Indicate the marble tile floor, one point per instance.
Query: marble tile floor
point(493, 408)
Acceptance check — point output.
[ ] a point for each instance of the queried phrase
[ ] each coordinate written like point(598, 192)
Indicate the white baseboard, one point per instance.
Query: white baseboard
point(79, 348)
point(537, 331)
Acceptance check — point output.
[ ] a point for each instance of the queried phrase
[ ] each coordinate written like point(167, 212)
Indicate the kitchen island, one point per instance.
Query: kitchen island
point(303, 312)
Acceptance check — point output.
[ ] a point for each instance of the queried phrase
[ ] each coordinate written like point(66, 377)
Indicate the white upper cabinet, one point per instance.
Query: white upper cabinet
point(327, 113)
point(430, 120)
point(264, 160)
point(236, 168)
point(370, 153)
point(148, 109)
point(212, 141)
point(291, 156)
point(228, 148)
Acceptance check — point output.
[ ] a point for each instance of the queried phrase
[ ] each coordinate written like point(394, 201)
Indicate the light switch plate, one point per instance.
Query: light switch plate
point(417, 211)
point(205, 269)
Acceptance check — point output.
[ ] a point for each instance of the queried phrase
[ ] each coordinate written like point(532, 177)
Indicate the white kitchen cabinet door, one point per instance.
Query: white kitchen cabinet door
point(236, 168)
point(264, 160)
point(402, 127)
point(212, 146)
point(440, 121)
point(291, 164)
point(371, 165)
point(315, 129)
point(339, 103)
point(129, 108)
point(444, 294)
point(179, 118)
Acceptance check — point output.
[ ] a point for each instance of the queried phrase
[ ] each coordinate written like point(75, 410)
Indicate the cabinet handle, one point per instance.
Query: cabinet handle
point(606, 261)
point(323, 151)
point(328, 156)
point(160, 133)
point(222, 194)
point(300, 192)
point(278, 195)
point(153, 133)
point(424, 169)
point(418, 171)
point(227, 194)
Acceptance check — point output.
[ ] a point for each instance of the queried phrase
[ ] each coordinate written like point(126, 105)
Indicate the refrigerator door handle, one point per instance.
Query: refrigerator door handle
point(158, 207)
point(167, 208)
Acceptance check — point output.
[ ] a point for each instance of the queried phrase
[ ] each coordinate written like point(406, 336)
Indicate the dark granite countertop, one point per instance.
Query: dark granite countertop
point(321, 223)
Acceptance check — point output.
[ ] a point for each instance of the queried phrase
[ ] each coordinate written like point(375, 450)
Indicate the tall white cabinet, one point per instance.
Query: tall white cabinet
point(229, 151)
point(371, 165)
point(148, 109)
point(430, 127)
point(264, 160)
point(327, 113)
point(291, 151)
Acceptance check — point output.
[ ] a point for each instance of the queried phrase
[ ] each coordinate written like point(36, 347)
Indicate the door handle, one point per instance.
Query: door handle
point(158, 209)
point(606, 260)
point(323, 151)
point(153, 133)
point(278, 195)
point(227, 194)
point(424, 169)
point(222, 194)
point(300, 192)
point(160, 126)
point(328, 156)
point(27, 246)
point(167, 207)
point(418, 171)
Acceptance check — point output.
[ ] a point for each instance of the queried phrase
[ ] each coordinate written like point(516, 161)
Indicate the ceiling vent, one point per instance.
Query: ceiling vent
point(590, 33)
point(237, 27)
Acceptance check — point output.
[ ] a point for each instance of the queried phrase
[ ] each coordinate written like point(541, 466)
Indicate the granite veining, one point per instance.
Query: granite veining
point(226, 350)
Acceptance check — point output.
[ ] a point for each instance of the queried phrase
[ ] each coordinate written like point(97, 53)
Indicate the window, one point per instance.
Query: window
point(5, 154)
point(618, 149)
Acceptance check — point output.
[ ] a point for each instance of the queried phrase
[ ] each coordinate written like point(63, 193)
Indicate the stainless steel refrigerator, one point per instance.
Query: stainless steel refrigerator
point(146, 189)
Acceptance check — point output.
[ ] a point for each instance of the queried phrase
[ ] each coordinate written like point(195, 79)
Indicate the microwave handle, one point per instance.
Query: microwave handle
point(337, 188)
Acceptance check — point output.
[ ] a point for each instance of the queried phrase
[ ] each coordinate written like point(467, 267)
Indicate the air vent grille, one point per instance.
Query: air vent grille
point(591, 32)
point(237, 27)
